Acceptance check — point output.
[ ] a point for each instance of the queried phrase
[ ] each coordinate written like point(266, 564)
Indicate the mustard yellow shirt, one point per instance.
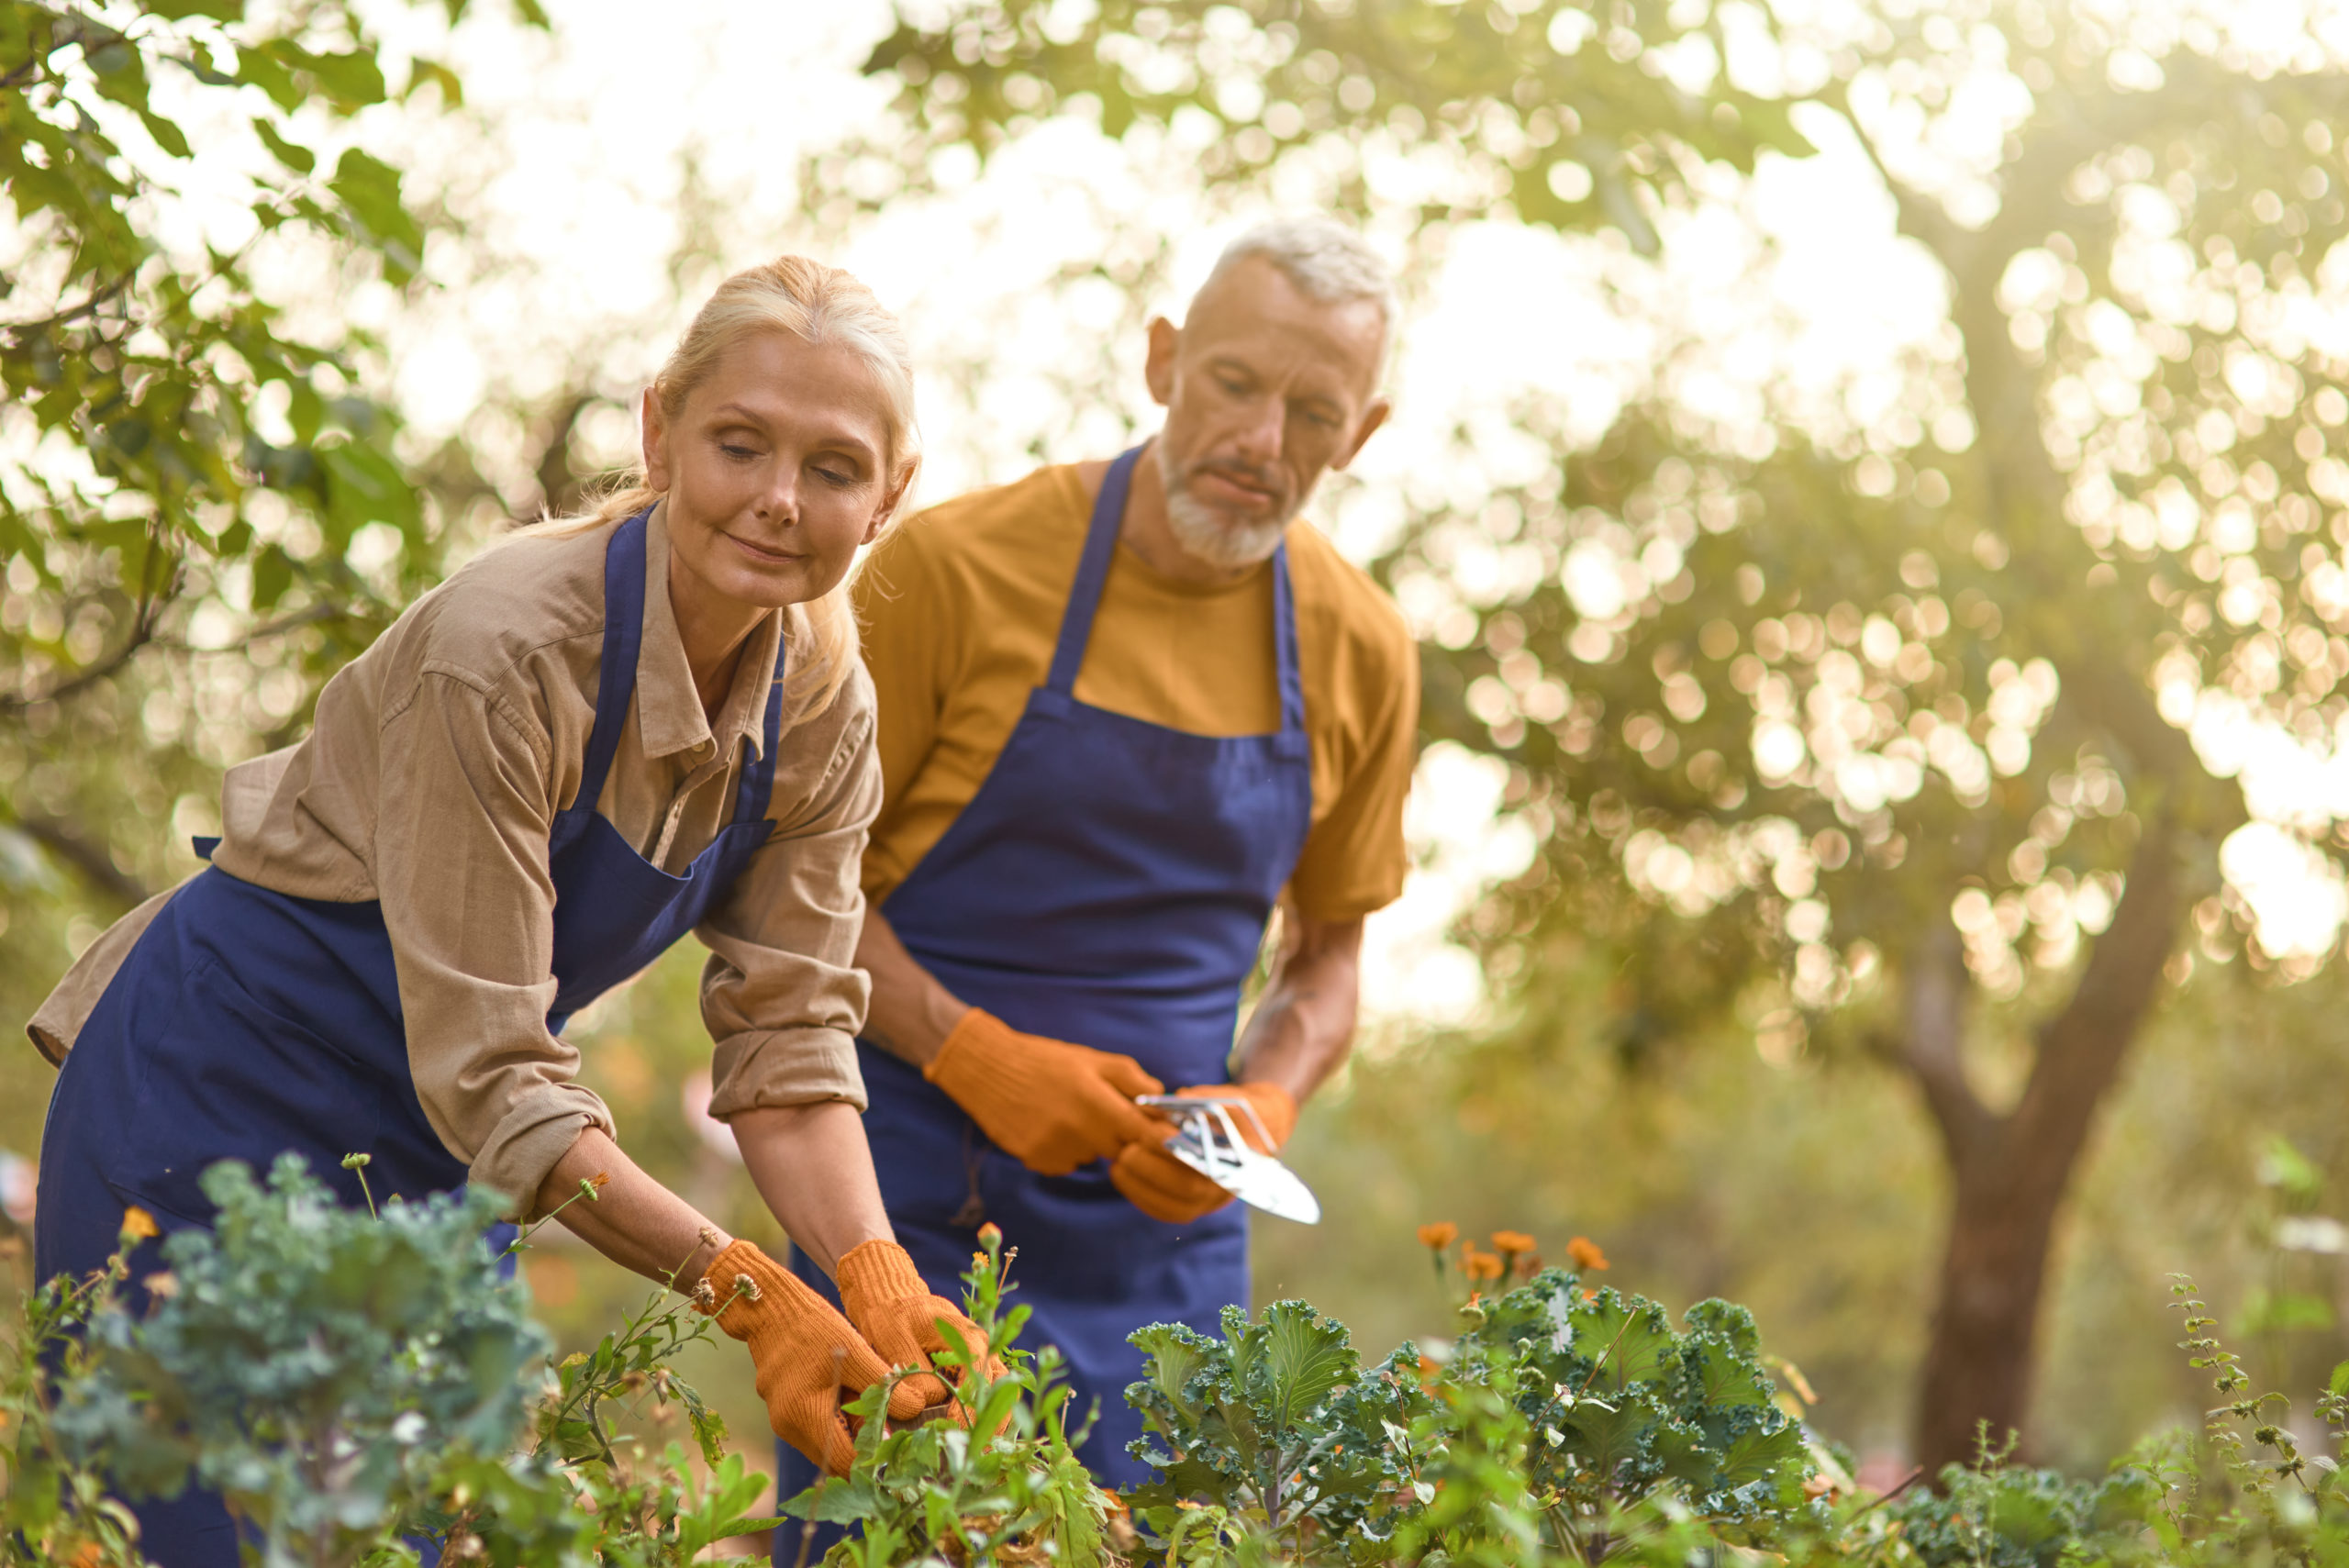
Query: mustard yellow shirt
point(961, 606)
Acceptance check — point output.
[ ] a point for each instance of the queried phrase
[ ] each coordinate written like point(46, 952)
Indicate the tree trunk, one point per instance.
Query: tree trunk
point(2010, 1173)
point(1979, 1365)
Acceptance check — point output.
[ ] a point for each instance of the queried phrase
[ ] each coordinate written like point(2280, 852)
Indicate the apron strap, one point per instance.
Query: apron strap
point(623, 635)
point(756, 787)
point(1092, 572)
point(1285, 645)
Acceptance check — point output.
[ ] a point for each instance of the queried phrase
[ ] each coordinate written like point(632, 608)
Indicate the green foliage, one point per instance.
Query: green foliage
point(299, 1352)
point(359, 1383)
point(1016, 1494)
point(1275, 1425)
point(353, 1384)
point(1560, 1419)
point(2002, 1516)
point(200, 424)
point(54, 1508)
point(1556, 109)
point(1880, 699)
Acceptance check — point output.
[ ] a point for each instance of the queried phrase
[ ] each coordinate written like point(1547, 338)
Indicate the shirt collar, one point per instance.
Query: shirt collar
point(669, 716)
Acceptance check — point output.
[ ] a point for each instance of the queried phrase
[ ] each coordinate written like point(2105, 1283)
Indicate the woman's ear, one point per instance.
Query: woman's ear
point(896, 499)
point(655, 431)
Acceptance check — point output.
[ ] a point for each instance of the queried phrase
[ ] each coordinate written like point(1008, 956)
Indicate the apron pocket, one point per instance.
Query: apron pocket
point(229, 1079)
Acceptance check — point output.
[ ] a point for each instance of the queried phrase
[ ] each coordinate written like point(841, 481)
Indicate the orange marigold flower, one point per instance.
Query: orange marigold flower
point(1479, 1266)
point(138, 1222)
point(1509, 1243)
point(1439, 1236)
point(1586, 1254)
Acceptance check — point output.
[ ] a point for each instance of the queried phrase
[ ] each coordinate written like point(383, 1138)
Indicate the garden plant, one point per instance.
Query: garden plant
point(367, 1387)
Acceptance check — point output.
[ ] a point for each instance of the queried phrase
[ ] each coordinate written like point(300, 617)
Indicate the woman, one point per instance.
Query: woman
point(608, 731)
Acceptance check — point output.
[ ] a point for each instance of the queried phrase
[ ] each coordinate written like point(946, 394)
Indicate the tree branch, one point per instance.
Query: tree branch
point(140, 636)
point(1933, 1042)
point(143, 636)
point(87, 858)
point(99, 297)
point(2081, 1050)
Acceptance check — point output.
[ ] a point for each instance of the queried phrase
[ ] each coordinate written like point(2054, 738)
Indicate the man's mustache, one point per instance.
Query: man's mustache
point(1267, 480)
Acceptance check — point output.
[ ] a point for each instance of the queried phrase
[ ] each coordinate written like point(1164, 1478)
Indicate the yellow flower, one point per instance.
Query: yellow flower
point(1437, 1237)
point(138, 1224)
point(1586, 1254)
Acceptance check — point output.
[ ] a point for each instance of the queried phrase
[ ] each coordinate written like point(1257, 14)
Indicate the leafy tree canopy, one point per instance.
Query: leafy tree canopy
point(1924, 718)
point(172, 426)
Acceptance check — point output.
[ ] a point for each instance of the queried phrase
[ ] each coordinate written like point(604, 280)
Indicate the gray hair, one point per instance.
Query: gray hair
point(1325, 258)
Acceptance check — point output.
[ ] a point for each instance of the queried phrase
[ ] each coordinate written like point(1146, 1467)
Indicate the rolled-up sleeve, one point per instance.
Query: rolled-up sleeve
point(780, 994)
point(461, 870)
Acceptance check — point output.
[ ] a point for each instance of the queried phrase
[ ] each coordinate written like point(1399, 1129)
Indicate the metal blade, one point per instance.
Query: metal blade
point(1208, 1141)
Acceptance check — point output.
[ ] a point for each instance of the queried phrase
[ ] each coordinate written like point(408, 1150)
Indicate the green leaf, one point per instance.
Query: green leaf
point(272, 575)
point(260, 66)
point(292, 154)
point(422, 72)
point(351, 78)
point(1176, 1353)
point(1305, 1356)
point(369, 190)
point(168, 136)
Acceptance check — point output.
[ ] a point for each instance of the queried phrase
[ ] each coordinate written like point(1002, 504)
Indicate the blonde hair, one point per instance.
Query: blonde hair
point(819, 304)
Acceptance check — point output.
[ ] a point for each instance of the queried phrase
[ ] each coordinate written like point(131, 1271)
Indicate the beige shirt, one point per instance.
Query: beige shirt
point(428, 782)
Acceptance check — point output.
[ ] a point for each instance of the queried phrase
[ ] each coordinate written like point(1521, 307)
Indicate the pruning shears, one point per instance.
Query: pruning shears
point(1208, 1140)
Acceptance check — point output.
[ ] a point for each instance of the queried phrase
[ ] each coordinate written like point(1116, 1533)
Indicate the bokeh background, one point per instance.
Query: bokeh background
point(1866, 478)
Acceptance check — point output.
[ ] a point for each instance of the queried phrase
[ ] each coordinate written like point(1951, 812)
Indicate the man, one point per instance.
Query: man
point(1125, 708)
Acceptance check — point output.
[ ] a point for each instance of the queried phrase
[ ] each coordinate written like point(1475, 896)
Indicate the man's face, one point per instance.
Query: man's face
point(1266, 388)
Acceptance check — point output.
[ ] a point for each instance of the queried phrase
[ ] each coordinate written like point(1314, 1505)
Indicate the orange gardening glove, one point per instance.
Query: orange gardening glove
point(1051, 1104)
point(898, 1316)
point(807, 1354)
point(1165, 1188)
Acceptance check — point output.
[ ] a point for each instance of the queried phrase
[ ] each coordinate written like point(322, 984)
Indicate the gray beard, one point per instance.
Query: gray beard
point(1213, 536)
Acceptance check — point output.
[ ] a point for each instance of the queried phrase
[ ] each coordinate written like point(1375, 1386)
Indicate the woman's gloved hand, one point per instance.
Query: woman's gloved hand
point(1050, 1105)
point(1165, 1188)
point(897, 1314)
point(807, 1356)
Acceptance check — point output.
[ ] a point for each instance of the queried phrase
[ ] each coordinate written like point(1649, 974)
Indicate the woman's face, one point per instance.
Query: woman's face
point(776, 471)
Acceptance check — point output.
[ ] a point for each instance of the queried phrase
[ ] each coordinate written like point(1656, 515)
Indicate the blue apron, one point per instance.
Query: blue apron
point(1109, 884)
point(245, 1023)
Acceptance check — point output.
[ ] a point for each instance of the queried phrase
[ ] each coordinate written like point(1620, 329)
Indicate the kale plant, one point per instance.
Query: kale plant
point(312, 1364)
point(1560, 1414)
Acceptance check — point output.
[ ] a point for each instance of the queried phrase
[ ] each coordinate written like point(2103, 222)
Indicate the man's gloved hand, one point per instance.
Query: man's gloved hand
point(807, 1356)
point(1051, 1104)
point(1165, 1188)
point(898, 1316)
